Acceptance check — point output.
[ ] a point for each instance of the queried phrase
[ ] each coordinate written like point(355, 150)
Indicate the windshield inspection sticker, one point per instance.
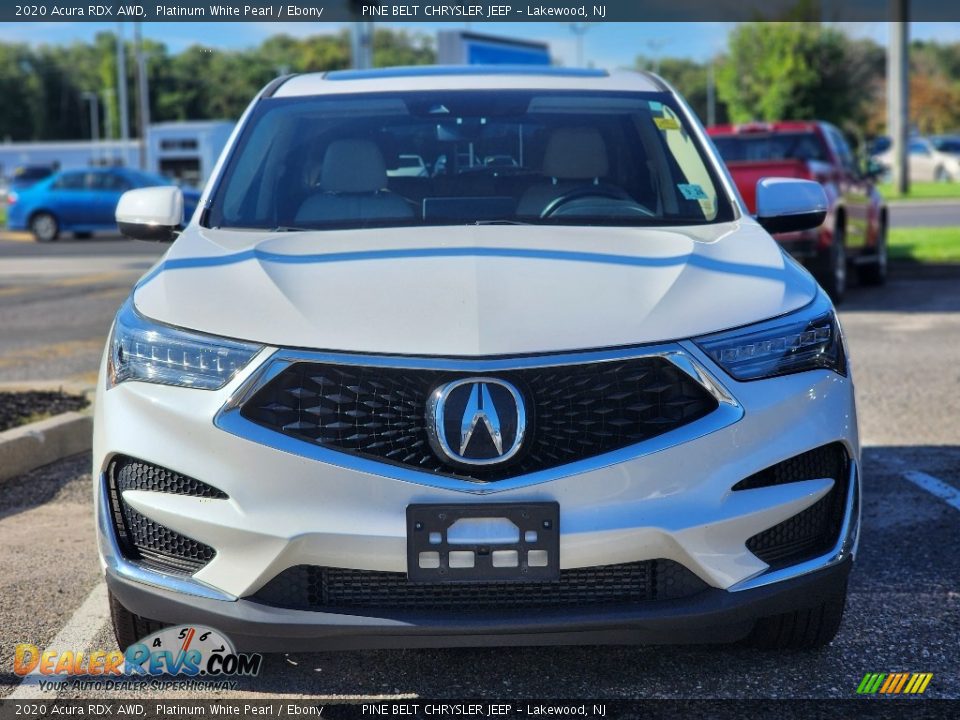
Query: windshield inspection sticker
point(666, 123)
point(692, 192)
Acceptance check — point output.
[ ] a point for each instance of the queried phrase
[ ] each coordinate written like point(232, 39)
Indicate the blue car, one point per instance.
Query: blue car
point(80, 201)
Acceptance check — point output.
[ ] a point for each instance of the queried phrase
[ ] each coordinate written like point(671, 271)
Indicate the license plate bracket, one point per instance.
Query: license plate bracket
point(531, 555)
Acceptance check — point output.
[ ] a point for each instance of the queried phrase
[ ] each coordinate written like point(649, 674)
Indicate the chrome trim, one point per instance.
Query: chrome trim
point(129, 570)
point(436, 421)
point(229, 419)
point(845, 548)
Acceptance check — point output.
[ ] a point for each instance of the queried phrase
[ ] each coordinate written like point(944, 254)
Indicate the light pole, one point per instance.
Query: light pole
point(898, 92)
point(94, 101)
point(579, 30)
point(122, 86)
point(144, 93)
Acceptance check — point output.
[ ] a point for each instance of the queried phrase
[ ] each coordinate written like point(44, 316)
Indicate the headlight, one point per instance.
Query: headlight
point(151, 352)
point(805, 340)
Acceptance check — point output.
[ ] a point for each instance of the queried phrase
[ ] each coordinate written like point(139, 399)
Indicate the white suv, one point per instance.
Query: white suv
point(580, 398)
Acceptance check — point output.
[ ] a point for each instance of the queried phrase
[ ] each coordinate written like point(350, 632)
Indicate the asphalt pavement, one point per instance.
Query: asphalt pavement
point(935, 213)
point(904, 609)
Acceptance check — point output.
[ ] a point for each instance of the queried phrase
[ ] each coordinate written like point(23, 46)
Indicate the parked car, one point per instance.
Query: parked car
point(949, 144)
point(27, 175)
point(928, 163)
point(79, 201)
point(593, 402)
point(855, 231)
point(409, 165)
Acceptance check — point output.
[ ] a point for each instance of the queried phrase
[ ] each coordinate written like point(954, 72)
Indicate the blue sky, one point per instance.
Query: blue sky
point(605, 44)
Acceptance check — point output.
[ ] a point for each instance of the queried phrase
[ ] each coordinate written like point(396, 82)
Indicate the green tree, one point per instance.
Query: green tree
point(797, 71)
point(690, 79)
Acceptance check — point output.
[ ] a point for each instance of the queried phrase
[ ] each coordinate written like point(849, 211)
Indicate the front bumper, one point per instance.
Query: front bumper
point(713, 616)
point(672, 500)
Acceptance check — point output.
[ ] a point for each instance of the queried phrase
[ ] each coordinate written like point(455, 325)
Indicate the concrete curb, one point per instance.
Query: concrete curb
point(29, 447)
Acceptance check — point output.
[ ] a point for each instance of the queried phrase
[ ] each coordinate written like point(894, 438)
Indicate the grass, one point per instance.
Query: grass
point(923, 191)
point(928, 245)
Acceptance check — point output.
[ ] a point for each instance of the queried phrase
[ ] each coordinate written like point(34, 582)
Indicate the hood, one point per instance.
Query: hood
point(474, 290)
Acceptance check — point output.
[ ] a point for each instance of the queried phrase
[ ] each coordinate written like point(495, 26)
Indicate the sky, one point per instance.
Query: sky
point(607, 45)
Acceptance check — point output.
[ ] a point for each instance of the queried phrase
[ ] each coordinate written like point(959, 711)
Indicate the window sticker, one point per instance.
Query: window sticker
point(656, 106)
point(691, 191)
point(666, 123)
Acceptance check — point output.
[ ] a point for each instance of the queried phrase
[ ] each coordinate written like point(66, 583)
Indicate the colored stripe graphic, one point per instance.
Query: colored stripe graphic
point(894, 683)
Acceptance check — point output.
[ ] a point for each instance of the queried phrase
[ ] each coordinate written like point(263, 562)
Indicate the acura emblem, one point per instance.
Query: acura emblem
point(476, 421)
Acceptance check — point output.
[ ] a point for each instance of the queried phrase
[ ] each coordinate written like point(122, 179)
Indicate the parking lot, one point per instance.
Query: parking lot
point(904, 611)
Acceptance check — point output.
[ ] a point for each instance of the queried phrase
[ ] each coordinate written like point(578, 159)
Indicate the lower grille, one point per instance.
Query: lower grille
point(140, 538)
point(308, 587)
point(813, 531)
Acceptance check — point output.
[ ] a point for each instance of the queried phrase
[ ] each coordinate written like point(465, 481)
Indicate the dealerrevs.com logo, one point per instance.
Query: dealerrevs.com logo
point(190, 651)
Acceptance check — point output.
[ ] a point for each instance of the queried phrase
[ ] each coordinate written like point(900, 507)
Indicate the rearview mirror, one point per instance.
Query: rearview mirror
point(788, 205)
point(153, 213)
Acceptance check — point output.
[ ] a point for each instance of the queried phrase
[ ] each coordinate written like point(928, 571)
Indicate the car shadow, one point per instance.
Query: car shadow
point(911, 288)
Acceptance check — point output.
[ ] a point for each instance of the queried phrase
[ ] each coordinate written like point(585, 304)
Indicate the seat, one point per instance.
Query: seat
point(353, 181)
point(574, 158)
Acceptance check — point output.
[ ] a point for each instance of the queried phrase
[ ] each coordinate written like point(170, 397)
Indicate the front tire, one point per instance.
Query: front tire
point(128, 627)
point(831, 268)
point(807, 629)
point(44, 227)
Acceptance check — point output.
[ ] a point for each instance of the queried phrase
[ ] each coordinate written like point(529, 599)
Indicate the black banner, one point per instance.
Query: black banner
point(475, 11)
point(423, 709)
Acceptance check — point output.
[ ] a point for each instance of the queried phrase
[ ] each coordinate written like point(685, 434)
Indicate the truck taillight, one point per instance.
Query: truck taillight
point(12, 197)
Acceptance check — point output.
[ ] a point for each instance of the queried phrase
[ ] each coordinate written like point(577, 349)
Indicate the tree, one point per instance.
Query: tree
point(798, 71)
point(690, 79)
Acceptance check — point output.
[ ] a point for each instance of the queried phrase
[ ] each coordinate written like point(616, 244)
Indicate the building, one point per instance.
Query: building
point(185, 151)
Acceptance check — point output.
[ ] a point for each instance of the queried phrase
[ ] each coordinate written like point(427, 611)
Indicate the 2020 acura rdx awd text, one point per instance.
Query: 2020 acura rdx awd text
point(577, 397)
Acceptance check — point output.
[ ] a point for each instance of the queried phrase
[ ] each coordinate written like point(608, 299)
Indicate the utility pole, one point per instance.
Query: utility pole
point(711, 95)
point(143, 116)
point(361, 45)
point(579, 29)
point(94, 101)
point(898, 92)
point(108, 131)
point(122, 87)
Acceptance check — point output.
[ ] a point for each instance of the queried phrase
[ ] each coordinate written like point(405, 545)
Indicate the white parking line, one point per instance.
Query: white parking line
point(77, 634)
point(948, 493)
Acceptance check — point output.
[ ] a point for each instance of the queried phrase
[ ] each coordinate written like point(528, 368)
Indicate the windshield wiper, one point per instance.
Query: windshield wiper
point(499, 222)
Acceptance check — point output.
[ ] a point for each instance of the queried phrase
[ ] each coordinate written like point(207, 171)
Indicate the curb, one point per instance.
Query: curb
point(29, 447)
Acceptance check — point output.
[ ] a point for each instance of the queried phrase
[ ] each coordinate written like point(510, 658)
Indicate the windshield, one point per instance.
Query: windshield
point(762, 147)
point(466, 157)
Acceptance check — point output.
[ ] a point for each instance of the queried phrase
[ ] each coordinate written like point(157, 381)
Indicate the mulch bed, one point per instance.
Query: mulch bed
point(17, 408)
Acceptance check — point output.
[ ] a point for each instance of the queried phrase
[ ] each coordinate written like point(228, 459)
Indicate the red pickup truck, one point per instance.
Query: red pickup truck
point(854, 235)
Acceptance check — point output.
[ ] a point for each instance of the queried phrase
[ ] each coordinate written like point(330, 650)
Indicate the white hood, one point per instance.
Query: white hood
point(475, 290)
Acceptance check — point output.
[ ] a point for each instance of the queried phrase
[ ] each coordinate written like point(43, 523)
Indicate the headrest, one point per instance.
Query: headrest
point(353, 166)
point(575, 154)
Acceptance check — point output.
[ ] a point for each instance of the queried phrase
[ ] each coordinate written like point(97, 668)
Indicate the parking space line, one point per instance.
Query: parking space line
point(948, 493)
point(80, 630)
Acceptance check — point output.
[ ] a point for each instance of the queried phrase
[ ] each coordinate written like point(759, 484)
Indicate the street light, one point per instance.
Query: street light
point(94, 118)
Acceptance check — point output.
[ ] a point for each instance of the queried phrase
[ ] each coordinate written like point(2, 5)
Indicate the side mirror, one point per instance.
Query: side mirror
point(874, 169)
point(787, 205)
point(153, 213)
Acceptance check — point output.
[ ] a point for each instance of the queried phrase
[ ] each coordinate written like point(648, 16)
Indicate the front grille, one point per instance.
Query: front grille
point(813, 531)
point(574, 412)
point(140, 538)
point(308, 587)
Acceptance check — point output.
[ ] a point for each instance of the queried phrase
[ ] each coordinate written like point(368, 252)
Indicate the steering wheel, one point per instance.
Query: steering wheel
point(605, 191)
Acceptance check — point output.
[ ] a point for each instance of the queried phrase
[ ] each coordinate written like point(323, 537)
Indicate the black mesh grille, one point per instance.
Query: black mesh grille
point(574, 412)
point(144, 540)
point(306, 587)
point(810, 532)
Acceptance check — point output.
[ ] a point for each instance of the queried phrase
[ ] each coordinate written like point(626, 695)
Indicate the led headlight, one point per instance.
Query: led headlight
point(151, 352)
point(804, 340)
